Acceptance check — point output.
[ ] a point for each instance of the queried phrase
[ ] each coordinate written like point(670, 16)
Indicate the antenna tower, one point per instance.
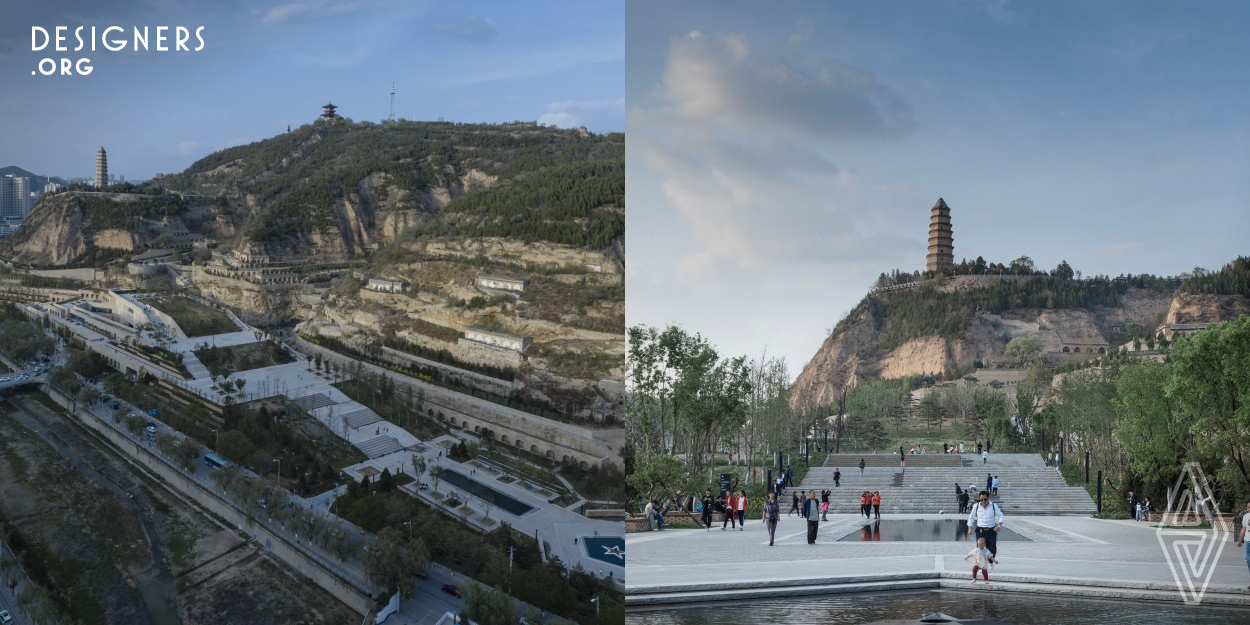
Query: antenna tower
point(392, 117)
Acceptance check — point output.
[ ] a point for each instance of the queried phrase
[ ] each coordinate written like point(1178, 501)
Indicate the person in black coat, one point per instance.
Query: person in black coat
point(708, 503)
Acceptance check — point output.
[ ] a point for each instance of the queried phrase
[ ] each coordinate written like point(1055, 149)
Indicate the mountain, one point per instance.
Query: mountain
point(70, 228)
point(338, 190)
point(949, 327)
point(342, 188)
point(37, 182)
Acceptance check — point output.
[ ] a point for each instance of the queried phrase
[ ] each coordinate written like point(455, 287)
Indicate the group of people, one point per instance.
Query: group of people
point(870, 504)
point(733, 506)
point(958, 448)
point(986, 519)
point(786, 478)
point(1139, 507)
point(799, 500)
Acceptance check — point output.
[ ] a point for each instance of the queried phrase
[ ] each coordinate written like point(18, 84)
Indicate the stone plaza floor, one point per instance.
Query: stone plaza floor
point(1066, 555)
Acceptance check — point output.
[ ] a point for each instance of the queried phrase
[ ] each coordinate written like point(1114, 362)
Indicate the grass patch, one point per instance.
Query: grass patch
point(579, 360)
point(194, 318)
point(227, 360)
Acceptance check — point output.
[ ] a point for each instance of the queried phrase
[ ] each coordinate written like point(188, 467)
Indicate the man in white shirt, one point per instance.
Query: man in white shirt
point(1241, 535)
point(986, 519)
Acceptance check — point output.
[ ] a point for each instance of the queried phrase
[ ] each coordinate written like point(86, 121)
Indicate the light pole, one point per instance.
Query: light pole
point(279, 461)
point(409, 524)
point(595, 600)
point(216, 445)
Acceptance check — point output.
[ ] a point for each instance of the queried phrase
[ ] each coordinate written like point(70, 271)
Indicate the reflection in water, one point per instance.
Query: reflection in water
point(920, 530)
point(1015, 608)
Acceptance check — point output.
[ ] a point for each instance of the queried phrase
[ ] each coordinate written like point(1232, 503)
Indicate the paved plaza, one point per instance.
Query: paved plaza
point(1066, 555)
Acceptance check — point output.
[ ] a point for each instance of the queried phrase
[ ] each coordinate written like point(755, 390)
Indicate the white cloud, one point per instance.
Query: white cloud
point(722, 79)
point(472, 28)
point(313, 8)
point(742, 139)
point(588, 113)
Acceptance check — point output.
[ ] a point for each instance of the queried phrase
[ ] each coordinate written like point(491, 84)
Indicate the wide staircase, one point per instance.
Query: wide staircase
point(926, 485)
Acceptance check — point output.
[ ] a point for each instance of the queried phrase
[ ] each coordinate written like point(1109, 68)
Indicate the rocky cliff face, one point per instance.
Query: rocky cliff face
point(57, 233)
point(849, 356)
point(1203, 308)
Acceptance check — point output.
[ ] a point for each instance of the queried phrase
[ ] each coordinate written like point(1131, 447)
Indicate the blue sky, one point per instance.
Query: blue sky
point(269, 64)
point(782, 155)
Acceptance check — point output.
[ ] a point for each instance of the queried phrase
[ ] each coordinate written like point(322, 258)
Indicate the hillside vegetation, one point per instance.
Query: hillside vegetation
point(345, 186)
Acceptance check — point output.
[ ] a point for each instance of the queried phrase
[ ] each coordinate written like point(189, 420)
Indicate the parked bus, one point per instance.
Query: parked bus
point(213, 461)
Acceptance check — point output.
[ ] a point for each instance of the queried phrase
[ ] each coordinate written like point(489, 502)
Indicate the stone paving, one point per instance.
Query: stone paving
point(1068, 556)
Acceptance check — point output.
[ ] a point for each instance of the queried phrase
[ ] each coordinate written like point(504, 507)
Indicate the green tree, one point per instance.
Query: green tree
point(687, 400)
point(236, 446)
point(1210, 386)
point(394, 559)
point(1064, 271)
point(1153, 433)
point(1021, 348)
point(488, 606)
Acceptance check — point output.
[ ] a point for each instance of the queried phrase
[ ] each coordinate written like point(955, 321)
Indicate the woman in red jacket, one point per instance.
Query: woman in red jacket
point(729, 500)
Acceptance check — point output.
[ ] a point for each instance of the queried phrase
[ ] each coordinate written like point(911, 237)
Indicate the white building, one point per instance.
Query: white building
point(502, 284)
point(14, 197)
point(498, 339)
point(386, 286)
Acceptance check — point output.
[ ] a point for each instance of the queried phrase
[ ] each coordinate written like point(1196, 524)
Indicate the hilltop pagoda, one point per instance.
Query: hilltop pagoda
point(327, 111)
point(941, 256)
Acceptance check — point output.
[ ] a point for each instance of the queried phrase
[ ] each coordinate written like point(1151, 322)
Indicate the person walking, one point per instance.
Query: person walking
point(824, 504)
point(741, 503)
point(861, 467)
point(963, 502)
point(837, 478)
point(989, 483)
point(772, 516)
point(982, 560)
point(978, 447)
point(1132, 503)
point(729, 503)
point(995, 485)
point(986, 519)
point(985, 457)
point(1241, 535)
point(958, 491)
point(794, 504)
point(876, 504)
point(708, 502)
point(865, 504)
point(811, 512)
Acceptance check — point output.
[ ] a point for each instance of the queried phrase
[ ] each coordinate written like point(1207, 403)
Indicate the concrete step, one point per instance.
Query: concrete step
point(1026, 485)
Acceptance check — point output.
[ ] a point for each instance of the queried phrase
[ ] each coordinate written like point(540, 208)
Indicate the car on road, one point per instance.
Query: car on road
point(451, 589)
point(5, 617)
